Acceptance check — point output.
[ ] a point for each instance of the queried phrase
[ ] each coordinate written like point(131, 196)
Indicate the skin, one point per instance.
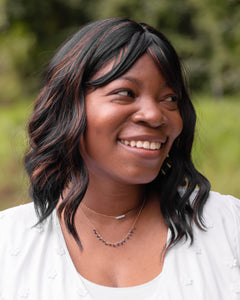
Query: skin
point(137, 106)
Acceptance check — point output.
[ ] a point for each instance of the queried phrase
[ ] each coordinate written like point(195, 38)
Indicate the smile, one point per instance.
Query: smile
point(142, 144)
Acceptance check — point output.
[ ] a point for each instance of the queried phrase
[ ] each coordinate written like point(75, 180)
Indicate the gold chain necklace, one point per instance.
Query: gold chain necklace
point(126, 237)
point(108, 216)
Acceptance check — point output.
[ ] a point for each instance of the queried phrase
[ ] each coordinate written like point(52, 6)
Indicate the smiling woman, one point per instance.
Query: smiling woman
point(114, 188)
point(135, 121)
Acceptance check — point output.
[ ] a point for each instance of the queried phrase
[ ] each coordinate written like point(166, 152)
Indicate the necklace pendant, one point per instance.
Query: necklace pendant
point(120, 217)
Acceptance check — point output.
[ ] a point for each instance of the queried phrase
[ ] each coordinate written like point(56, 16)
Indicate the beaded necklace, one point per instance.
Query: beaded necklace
point(126, 236)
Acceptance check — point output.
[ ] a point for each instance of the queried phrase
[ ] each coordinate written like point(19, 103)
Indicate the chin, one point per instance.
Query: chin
point(145, 179)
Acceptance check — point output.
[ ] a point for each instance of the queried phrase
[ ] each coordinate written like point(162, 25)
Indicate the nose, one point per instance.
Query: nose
point(150, 113)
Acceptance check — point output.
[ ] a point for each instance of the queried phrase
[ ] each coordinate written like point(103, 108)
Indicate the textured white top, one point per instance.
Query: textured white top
point(35, 263)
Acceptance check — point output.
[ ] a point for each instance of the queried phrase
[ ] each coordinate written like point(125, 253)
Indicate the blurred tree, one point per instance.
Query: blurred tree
point(48, 23)
point(15, 46)
point(205, 34)
point(218, 24)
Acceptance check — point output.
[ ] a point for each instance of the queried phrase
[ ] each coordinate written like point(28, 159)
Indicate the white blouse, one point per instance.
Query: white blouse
point(35, 263)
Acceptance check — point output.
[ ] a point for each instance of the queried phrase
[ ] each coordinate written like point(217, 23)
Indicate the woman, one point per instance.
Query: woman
point(121, 211)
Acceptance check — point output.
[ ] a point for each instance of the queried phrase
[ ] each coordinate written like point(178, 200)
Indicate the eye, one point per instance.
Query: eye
point(125, 93)
point(170, 102)
point(170, 99)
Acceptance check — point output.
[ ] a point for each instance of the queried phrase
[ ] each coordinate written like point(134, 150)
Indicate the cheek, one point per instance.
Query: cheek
point(176, 125)
point(98, 133)
point(101, 118)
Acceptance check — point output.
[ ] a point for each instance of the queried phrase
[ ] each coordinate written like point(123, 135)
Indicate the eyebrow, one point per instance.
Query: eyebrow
point(132, 79)
point(139, 83)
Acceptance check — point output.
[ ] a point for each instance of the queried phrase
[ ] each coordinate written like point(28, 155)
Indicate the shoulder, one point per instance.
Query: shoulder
point(22, 209)
point(17, 218)
point(15, 225)
point(19, 229)
point(221, 216)
point(222, 207)
point(31, 253)
point(22, 245)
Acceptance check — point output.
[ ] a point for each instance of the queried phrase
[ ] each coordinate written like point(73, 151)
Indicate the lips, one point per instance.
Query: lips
point(144, 144)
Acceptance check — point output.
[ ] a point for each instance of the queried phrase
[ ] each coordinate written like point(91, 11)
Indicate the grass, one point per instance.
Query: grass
point(216, 150)
point(13, 142)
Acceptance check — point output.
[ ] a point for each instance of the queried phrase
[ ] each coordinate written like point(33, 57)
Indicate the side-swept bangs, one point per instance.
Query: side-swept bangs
point(131, 46)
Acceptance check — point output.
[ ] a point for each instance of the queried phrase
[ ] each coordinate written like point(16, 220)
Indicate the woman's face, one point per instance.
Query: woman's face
point(132, 123)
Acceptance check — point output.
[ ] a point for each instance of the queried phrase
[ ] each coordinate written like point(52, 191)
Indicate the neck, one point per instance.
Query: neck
point(112, 198)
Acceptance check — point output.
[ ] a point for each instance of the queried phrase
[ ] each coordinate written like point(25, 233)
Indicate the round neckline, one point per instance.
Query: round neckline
point(85, 281)
point(126, 288)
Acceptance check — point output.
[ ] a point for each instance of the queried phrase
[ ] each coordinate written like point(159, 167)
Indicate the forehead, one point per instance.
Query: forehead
point(142, 66)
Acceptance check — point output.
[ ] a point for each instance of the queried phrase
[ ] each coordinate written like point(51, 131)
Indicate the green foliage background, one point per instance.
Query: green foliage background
point(204, 32)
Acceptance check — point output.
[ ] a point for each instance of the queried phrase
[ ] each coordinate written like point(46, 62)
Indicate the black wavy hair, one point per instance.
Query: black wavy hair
point(59, 120)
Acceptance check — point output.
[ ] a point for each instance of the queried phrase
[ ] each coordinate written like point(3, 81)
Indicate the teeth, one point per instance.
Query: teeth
point(142, 144)
point(152, 146)
point(146, 145)
point(139, 144)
